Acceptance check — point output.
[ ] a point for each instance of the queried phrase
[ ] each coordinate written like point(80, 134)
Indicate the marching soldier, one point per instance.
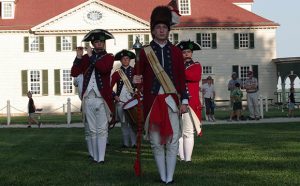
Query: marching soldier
point(192, 119)
point(97, 104)
point(123, 78)
point(161, 70)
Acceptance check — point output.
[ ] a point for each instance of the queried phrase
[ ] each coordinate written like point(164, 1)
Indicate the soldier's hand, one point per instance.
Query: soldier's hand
point(89, 51)
point(137, 79)
point(183, 108)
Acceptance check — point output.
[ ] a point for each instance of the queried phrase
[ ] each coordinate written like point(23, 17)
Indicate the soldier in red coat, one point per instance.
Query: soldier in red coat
point(97, 105)
point(123, 77)
point(192, 119)
point(161, 108)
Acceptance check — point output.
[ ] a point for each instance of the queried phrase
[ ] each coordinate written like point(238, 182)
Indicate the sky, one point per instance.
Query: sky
point(286, 13)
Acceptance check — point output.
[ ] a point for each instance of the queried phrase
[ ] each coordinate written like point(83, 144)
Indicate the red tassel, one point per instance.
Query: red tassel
point(200, 134)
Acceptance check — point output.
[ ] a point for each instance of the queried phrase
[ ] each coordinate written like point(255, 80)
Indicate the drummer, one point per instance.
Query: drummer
point(124, 91)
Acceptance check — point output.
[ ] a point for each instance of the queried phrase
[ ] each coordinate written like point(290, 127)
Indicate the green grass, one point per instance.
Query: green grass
point(248, 154)
point(220, 113)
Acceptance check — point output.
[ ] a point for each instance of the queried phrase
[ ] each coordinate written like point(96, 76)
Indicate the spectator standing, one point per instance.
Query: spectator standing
point(251, 86)
point(208, 91)
point(291, 104)
point(236, 97)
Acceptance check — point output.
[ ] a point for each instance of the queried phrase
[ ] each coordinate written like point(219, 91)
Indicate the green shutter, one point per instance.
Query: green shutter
point(130, 42)
point(24, 80)
point(26, 45)
point(41, 43)
point(198, 38)
point(45, 82)
point(214, 40)
point(58, 43)
point(56, 82)
point(236, 41)
point(74, 42)
point(251, 40)
point(175, 38)
point(235, 68)
point(146, 39)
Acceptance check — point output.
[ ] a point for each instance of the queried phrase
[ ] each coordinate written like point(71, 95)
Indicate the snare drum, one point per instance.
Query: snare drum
point(131, 112)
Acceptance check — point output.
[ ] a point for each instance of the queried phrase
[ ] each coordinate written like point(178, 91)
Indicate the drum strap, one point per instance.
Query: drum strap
point(159, 72)
point(125, 80)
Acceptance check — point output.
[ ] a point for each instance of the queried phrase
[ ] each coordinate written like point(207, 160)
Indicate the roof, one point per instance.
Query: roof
point(240, 1)
point(205, 13)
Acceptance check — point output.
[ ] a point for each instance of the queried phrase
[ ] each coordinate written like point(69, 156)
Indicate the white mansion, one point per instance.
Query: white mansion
point(38, 38)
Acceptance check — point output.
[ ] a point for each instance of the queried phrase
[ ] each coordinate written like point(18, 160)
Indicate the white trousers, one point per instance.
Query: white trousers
point(186, 142)
point(96, 119)
point(165, 155)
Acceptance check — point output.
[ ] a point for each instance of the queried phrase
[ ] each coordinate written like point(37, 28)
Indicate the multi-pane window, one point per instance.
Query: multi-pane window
point(185, 7)
point(207, 40)
point(173, 38)
point(34, 44)
point(66, 42)
point(7, 10)
point(244, 40)
point(207, 70)
point(243, 73)
point(143, 38)
point(67, 82)
point(35, 81)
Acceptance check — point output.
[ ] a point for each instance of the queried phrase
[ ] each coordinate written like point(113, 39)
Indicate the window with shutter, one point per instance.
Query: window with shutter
point(45, 82)
point(130, 42)
point(26, 45)
point(58, 43)
point(41, 43)
point(57, 82)
point(24, 79)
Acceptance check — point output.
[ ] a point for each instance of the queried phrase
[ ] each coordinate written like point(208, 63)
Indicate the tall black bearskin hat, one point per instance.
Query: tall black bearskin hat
point(161, 14)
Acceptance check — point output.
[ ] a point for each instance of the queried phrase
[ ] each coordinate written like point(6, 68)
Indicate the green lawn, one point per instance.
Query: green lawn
point(248, 154)
point(221, 113)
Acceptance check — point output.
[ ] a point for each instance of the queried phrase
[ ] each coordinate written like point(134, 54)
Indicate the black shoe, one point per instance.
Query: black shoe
point(162, 182)
point(250, 118)
point(257, 118)
point(101, 162)
point(29, 126)
point(134, 146)
point(170, 183)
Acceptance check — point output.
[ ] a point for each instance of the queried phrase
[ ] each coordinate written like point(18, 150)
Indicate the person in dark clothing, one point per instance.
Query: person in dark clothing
point(291, 104)
point(31, 111)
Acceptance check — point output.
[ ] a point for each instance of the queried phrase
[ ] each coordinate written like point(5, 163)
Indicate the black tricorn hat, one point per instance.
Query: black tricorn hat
point(123, 53)
point(185, 45)
point(161, 14)
point(97, 34)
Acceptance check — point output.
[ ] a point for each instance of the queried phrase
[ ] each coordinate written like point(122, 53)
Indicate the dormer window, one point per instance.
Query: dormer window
point(7, 9)
point(185, 7)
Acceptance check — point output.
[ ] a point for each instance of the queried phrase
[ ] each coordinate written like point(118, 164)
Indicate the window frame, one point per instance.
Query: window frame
point(64, 83)
point(184, 7)
point(32, 84)
point(206, 68)
point(4, 11)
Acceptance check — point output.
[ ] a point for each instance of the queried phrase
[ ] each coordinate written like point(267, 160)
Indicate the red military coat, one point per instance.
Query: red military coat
point(174, 67)
point(103, 67)
point(193, 73)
